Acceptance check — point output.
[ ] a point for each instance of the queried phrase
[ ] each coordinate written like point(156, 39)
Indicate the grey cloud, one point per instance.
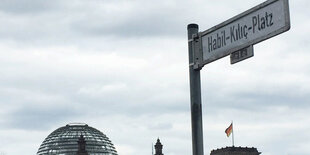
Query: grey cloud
point(89, 20)
point(26, 6)
point(37, 118)
point(254, 101)
point(139, 25)
point(133, 104)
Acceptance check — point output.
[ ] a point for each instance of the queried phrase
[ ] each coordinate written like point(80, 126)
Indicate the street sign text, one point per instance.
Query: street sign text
point(242, 54)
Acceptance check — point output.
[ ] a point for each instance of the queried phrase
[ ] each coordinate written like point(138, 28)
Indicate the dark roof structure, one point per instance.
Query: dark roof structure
point(235, 151)
point(64, 141)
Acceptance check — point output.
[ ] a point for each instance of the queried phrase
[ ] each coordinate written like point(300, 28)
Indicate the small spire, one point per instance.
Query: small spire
point(158, 148)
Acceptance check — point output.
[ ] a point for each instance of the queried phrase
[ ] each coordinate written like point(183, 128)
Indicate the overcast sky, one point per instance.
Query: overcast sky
point(122, 67)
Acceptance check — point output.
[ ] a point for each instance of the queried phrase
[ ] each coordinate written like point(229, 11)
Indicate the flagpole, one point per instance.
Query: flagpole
point(152, 149)
point(233, 140)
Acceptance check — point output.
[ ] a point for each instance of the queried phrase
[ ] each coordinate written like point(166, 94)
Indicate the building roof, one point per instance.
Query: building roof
point(236, 151)
point(64, 140)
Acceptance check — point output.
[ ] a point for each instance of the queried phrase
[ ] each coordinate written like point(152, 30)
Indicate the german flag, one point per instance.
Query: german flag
point(229, 130)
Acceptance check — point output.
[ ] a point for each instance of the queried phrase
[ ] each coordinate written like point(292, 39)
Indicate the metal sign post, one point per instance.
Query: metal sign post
point(234, 37)
point(195, 92)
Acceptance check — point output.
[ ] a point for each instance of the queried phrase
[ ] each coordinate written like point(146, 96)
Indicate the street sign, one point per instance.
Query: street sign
point(241, 54)
point(248, 28)
point(235, 36)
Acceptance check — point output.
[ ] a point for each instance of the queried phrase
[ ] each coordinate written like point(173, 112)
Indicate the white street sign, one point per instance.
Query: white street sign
point(255, 25)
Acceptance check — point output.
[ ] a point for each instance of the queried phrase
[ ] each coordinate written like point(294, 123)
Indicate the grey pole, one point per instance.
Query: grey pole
point(195, 93)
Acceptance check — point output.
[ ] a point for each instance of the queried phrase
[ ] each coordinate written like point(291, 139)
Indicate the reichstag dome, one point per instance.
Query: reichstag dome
point(74, 138)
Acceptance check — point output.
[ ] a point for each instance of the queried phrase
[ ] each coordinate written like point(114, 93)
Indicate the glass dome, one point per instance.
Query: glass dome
point(64, 141)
